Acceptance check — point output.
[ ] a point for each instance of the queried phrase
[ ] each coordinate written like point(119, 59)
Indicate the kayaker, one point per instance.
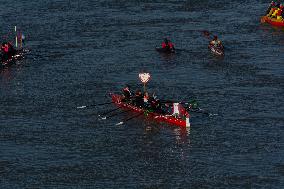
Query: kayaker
point(216, 42)
point(138, 99)
point(127, 94)
point(7, 50)
point(5, 47)
point(167, 44)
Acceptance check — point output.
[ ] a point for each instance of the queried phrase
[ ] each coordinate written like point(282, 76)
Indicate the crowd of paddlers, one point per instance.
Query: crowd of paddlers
point(275, 10)
point(152, 103)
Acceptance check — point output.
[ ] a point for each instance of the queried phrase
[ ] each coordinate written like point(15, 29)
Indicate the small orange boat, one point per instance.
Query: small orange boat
point(272, 21)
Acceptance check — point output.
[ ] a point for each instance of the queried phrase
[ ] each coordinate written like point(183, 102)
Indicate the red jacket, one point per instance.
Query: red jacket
point(5, 48)
point(170, 45)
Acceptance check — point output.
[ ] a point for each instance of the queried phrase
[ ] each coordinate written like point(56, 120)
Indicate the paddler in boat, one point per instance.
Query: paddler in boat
point(216, 42)
point(146, 100)
point(156, 105)
point(7, 50)
point(167, 44)
point(272, 4)
point(126, 93)
point(179, 111)
point(279, 15)
point(278, 4)
point(275, 11)
point(138, 99)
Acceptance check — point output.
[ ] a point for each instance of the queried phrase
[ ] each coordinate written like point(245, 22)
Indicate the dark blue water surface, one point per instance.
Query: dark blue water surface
point(82, 50)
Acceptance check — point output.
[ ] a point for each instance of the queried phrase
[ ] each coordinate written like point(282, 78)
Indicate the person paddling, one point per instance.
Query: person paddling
point(127, 94)
point(216, 42)
point(271, 5)
point(167, 44)
point(138, 99)
point(7, 50)
point(179, 111)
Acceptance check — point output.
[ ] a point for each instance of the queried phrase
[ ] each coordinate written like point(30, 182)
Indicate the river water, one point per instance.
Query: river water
point(83, 50)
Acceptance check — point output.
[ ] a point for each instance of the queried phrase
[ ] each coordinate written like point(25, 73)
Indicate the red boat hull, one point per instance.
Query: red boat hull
point(272, 21)
point(155, 116)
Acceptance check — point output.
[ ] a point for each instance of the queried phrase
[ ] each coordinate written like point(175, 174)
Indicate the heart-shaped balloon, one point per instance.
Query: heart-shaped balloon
point(144, 77)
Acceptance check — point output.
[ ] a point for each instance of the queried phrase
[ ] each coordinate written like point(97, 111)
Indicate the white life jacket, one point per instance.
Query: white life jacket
point(175, 109)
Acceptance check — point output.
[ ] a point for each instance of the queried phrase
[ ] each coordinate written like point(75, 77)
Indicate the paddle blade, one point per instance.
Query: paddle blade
point(120, 123)
point(211, 115)
point(81, 107)
point(103, 118)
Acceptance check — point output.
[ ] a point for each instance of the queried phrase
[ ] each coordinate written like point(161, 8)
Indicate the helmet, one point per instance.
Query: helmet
point(215, 37)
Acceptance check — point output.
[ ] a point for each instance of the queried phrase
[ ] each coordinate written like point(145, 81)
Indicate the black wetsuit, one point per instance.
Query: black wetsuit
point(139, 101)
point(127, 95)
point(155, 105)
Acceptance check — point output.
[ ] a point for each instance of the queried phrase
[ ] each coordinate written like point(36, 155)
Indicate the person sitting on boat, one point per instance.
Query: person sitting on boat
point(279, 13)
point(275, 11)
point(278, 4)
point(127, 94)
point(138, 99)
point(156, 106)
point(5, 47)
point(272, 10)
point(179, 111)
point(7, 50)
point(146, 99)
point(167, 44)
point(272, 4)
point(216, 42)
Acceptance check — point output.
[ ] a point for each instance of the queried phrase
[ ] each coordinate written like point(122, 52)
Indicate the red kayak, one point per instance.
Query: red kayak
point(170, 119)
point(272, 21)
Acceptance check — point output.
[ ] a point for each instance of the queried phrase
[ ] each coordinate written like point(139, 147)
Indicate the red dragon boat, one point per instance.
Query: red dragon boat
point(170, 119)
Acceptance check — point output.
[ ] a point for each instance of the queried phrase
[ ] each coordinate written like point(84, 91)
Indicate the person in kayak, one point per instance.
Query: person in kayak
point(167, 44)
point(7, 50)
point(216, 42)
point(126, 93)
